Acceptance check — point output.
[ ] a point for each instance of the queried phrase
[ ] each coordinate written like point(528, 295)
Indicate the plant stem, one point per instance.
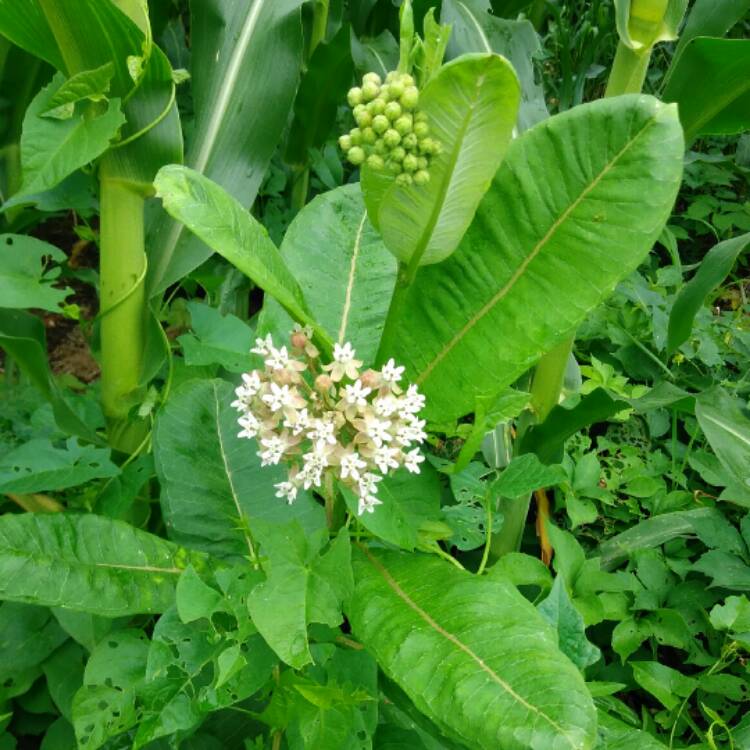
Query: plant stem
point(319, 25)
point(628, 71)
point(300, 188)
point(538, 14)
point(549, 376)
point(122, 272)
point(514, 510)
point(404, 280)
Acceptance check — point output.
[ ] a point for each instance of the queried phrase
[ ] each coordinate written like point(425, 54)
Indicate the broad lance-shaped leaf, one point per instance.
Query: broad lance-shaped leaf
point(239, 52)
point(472, 654)
point(88, 563)
point(475, 28)
point(213, 485)
point(710, 81)
point(52, 149)
point(223, 224)
point(577, 204)
point(714, 268)
point(472, 105)
point(726, 424)
point(345, 271)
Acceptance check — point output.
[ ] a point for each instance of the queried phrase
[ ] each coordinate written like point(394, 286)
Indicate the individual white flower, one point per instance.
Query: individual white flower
point(385, 406)
point(378, 430)
point(412, 460)
point(367, 498)
point(386, 458)
point(314, 463)
point(281, 396)
point(411, 431)
point(274, 450)
point(411, 402)
point(323, 430)
point(278, 359)
point(344, 363)
point(263, 346)
point(286, 490)
point(299, 421)
point(250, 426)
point(351, 463)
point(391, 373)
point(356, 394)
point(246, 392)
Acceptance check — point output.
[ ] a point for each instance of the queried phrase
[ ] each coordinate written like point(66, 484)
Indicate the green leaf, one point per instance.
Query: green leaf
point(38, 466)
point(474, 28)
point(302, 587)
point(733, 615)
point(503, 683)
point(345, 271)
point(408, 501)
point(726, 425)
point(471, 104)
point(321, 90)
point(194, 598)
point(88, 84)
point(619, 163)
point(87, 563)
point(221, 222)
point(522, 570)
point(724, 569)
point(667, 685)
point(709, 18)
point(24, 280)
point(711, 83)
point(23, 336)
point(53, 149)
point(616, 735)
point(260, 50)
point(558, 610)
point(216, 339)
point(378, 55)
point(213, 486)
point(714, 268)
point(526, 473)
point(28, 636)
point(707, 524)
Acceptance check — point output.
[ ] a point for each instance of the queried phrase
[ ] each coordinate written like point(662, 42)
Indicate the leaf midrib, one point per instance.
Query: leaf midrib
point(495, 299)
point(350, 283)
point(396, 588)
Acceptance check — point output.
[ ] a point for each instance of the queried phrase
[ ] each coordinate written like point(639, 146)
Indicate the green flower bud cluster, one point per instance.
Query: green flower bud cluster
point(391, 134)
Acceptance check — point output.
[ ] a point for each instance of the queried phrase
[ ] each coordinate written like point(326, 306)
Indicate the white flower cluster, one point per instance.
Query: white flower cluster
point(329, 419)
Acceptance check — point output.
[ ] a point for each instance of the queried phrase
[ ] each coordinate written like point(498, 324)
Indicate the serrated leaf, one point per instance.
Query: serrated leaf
point(213, 486)
point(24, 280)
point(471, 104)
point(618, 168)
point(87, 563)
point(503, 684)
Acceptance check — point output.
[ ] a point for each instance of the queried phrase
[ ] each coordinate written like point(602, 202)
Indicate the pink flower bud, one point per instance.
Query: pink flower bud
point(323, 383)
point(370, 379)
point(299, 340)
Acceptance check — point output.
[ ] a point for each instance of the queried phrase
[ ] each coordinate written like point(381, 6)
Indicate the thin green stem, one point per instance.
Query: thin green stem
point(628, 71)
point(123, 307)
point(319, 25)
point(300, 188)
point(404, 280)
point(488, 539)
